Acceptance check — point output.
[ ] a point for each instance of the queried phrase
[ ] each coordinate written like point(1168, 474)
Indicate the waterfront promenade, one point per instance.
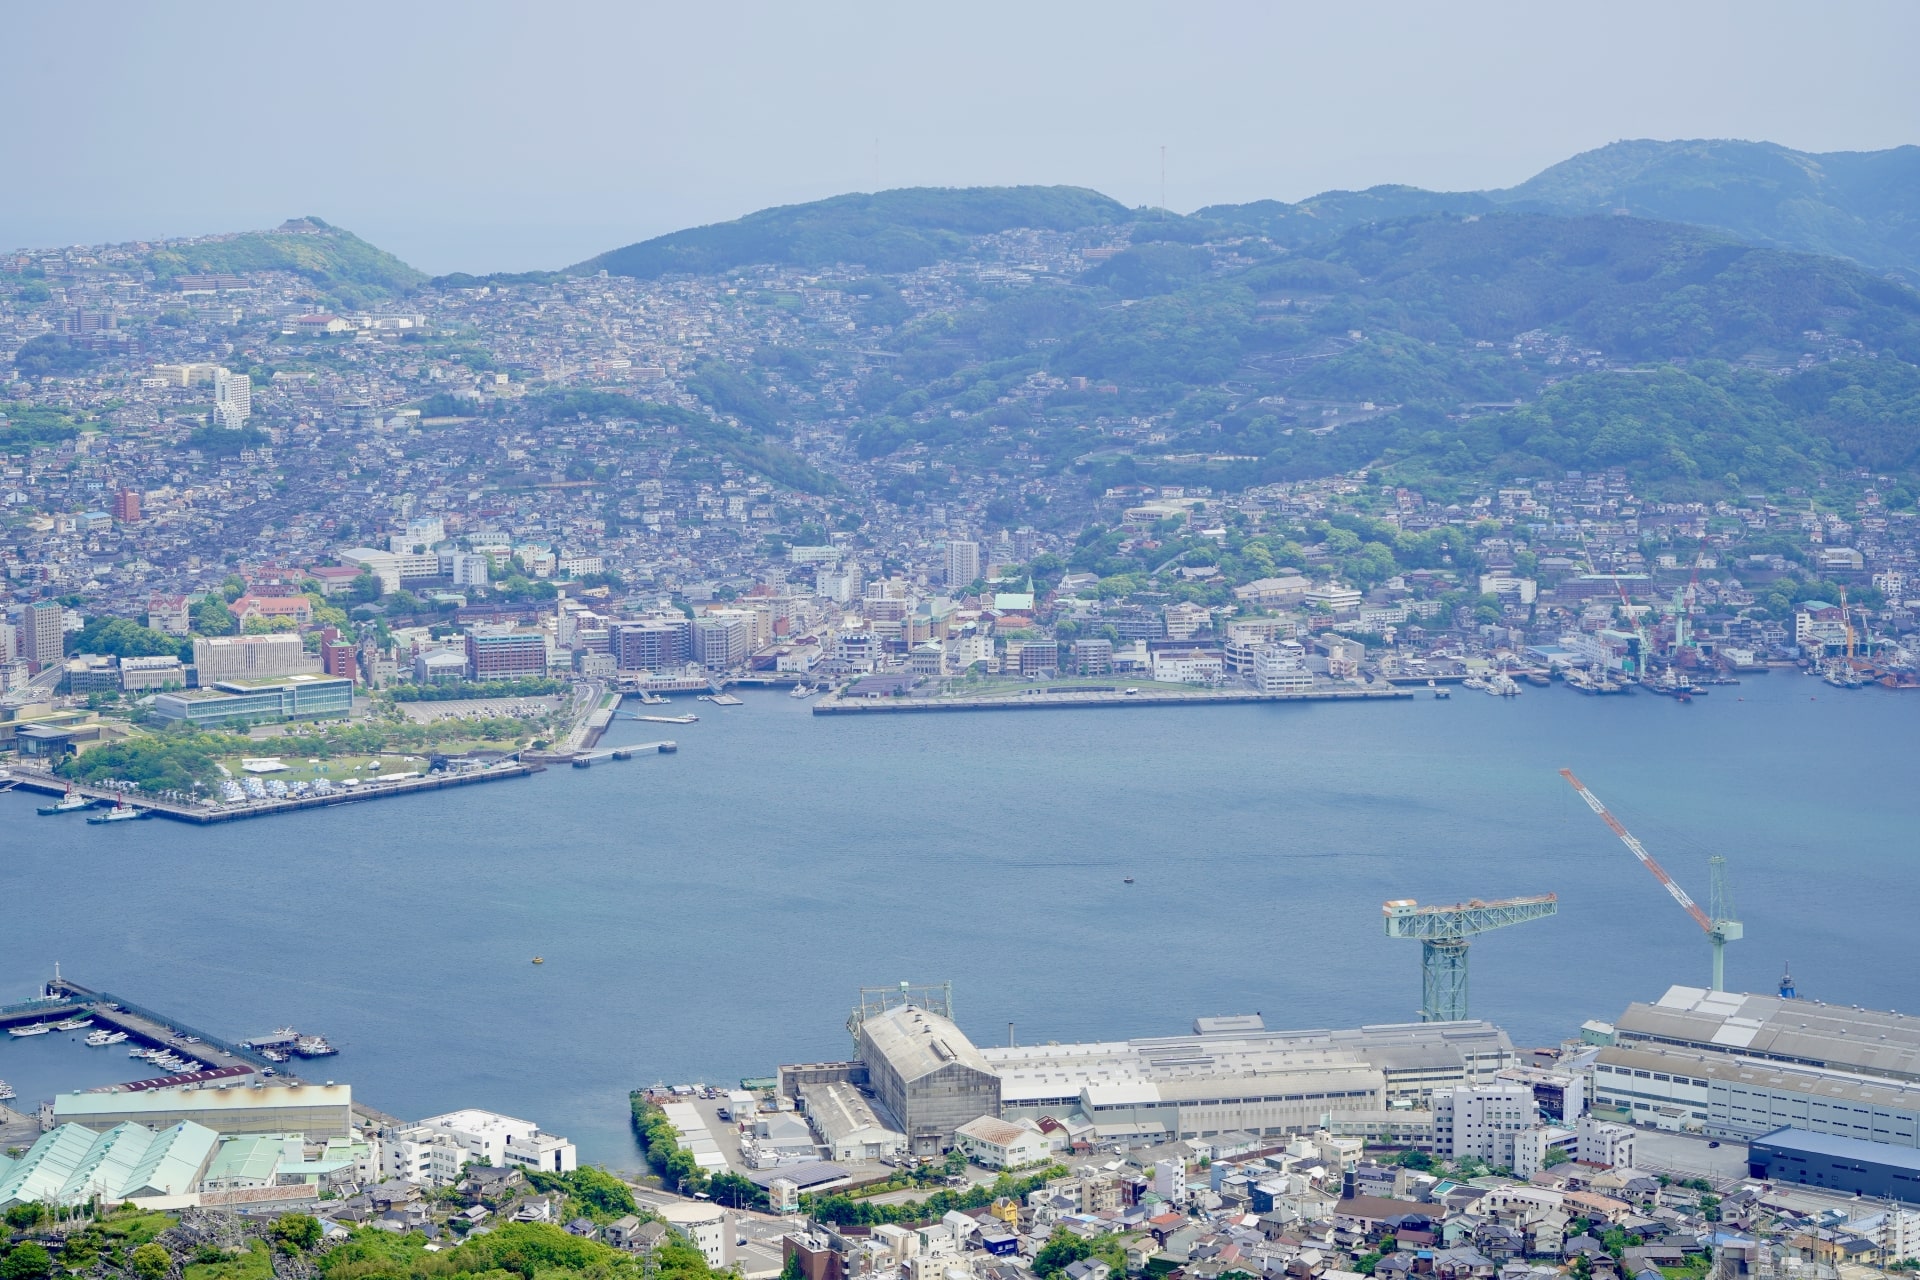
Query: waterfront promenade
point(207, 814)
point(1041, 699)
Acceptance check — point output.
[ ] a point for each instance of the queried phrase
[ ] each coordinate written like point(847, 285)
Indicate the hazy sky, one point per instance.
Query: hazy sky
point(486, 136)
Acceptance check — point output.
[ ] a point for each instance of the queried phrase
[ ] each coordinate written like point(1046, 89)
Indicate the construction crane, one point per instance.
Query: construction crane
point(1444, 933)
point(1719, 924)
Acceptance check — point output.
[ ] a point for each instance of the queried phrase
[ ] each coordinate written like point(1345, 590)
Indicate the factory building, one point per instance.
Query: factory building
point(72, 1164)
point(926, 1074)
point(1849, 1166)
point(847, 1125)
point(319, 1111)
point(1233, 1074)
point(1729, 1097)
point(1803, 1033)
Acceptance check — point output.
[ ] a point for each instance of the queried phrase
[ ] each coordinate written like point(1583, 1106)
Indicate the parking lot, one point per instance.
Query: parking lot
point(1688, 1155)
point(479, 708)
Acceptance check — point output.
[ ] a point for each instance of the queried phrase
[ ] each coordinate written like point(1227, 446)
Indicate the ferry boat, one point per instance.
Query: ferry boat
point(313, 1047)
point(74, 1024)
point(37, 1029)
point(68, 803)
point(122, 812)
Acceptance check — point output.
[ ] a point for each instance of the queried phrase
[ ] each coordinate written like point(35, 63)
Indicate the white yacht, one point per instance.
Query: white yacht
point(37, 1029)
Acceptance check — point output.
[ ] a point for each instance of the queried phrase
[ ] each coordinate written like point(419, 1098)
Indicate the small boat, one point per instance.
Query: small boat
point(801, 691)
point(539, 959)
point(74, 1024)
point(71, 802)
point(313, 1047)
point(37, 1029)
point(1128, 880)
point(6, 1092)
point(122, 812)
point(1442, 695)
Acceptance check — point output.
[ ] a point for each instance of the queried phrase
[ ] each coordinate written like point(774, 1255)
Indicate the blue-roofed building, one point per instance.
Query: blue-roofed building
point(1850, 1166)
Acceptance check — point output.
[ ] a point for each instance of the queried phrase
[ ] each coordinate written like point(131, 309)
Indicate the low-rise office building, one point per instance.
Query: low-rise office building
point(302, 697)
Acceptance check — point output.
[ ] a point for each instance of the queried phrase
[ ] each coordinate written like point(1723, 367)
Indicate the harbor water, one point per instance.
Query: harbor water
point(708, 914)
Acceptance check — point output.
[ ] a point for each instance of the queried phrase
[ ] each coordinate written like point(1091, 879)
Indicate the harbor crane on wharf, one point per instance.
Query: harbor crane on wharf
point(1718, 923)
point(1445, 932)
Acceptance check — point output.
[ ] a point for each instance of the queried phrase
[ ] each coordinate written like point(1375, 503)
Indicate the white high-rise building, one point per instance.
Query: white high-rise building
point(963, 562)
point(1482, 1120)
point(232, 399)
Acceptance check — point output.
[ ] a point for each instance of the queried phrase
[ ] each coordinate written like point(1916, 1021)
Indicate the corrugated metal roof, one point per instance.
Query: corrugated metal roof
point(917, 1043)
point(1870, 1040)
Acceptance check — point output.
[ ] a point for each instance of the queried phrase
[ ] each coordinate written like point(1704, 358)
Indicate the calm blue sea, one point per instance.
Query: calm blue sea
point(710, 914)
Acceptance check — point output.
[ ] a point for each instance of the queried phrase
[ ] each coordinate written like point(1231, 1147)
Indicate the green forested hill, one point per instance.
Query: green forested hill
point(341, 264)
point(1863, 205)
point(1654, 346)
point(888, 231)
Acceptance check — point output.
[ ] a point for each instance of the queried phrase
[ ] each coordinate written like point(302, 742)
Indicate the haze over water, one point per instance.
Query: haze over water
point(710, 914)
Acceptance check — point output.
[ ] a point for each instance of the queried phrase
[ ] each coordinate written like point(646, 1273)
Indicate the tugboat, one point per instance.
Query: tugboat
point(67, 803)
point(122, 812)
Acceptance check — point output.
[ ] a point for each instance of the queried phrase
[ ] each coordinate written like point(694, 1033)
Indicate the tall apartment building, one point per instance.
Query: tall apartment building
point(232, 399)
point(650, 644)
point(963, 562)
point(42, 635)
point(722, 640)
point(502, 653)
point(126, 505)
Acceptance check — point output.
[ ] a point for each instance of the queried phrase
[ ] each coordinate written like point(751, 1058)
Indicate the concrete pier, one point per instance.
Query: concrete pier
point(207, 815)
point(1051, 699)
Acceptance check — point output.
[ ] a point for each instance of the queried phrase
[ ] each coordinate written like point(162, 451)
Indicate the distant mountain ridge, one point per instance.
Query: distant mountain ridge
point(888, 231)
point(1863, 205)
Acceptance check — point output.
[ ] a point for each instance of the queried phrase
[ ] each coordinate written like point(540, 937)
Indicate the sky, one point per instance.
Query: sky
point(484, 136)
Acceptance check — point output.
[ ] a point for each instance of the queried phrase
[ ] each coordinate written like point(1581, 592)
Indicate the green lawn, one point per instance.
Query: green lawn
point(255, 1264)
point(301, 767)
point(134, 1228)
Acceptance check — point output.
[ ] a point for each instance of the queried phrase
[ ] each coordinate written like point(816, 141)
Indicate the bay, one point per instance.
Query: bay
point(707, 915)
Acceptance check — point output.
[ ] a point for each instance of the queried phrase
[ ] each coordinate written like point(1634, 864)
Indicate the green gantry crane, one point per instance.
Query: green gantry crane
point(1444, 933)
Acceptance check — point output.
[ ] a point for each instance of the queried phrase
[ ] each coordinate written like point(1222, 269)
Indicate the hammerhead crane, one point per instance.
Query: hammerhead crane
point(1719, 925)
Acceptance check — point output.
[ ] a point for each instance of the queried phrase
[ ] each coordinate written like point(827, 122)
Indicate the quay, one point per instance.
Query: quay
point(65, 998)
point(1044, 699)
point(53, 784)
point(586, 759)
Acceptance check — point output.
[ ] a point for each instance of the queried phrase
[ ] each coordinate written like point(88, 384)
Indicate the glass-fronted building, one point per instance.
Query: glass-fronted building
point(302, 697)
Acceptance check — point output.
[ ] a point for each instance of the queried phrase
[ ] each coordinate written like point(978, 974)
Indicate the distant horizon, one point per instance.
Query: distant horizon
point(488, 136)
point(621, 243)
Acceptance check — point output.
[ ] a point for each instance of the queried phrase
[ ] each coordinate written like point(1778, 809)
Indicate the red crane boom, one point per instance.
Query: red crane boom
point(1640, 852)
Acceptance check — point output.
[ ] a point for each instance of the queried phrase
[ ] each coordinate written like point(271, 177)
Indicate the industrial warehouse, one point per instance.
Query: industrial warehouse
point(1724, 1066)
